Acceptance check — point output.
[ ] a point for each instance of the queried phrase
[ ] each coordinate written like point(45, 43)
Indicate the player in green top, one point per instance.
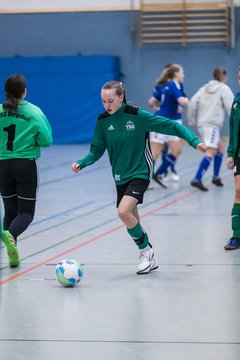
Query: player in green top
point(124, 131)
point(233, 162)
point(24, 129)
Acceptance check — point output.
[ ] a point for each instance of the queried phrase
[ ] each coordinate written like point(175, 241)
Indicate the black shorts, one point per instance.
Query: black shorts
point(135, 188)
point(237, 166)
point(19, 177)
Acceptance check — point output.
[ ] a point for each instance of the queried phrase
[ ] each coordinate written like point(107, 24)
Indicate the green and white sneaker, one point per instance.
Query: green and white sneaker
point(9, 241)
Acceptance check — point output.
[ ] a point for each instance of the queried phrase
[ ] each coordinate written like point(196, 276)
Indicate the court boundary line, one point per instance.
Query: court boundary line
point(123, 341)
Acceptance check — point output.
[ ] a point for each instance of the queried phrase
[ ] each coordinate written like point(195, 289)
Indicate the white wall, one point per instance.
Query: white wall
point(26, 6)
point(65, 5)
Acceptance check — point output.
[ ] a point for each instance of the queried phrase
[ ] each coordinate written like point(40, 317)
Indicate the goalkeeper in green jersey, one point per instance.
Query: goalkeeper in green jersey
point(124, 131)
point(24, 129)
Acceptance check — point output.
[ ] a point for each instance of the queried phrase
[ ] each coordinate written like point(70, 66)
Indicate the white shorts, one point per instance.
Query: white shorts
point(161, 138)
point(210, 136)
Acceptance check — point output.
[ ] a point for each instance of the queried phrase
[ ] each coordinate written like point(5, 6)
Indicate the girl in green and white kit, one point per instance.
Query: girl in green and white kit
point(233, 162)
point(124, 131)
point(24, 129)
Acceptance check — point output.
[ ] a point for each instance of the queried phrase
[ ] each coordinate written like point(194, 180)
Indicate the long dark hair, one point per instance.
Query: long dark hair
point(15, 87)
point(118, 86)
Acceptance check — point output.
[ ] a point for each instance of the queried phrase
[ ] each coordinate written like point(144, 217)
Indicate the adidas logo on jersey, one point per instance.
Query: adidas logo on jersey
point(111, 127)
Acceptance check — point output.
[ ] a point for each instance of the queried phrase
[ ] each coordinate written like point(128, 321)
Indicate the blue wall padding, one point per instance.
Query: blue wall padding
point(67, 89)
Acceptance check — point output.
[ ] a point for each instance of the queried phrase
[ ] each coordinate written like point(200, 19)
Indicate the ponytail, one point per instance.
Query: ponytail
point(15, 87)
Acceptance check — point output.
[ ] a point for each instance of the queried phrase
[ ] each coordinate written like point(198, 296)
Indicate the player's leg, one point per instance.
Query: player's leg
point(170, 159)
point(234, 242)
point(217, 162)
point(9, 196)
point(11, 209)
point(175, 150)
point(211, 139)
point(156, 146)
point(157, 143)
point(164, 153)
point(128, 213)
point(27, 187)
point(24, 218)
point(26, 175)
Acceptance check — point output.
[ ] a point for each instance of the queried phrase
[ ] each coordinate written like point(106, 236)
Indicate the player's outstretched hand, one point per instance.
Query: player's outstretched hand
point(201, 147)
point(76, 167)
point(230, 163)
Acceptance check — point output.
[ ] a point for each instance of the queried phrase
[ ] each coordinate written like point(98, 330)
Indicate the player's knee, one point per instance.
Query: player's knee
point(237, 195)
point(123, 214)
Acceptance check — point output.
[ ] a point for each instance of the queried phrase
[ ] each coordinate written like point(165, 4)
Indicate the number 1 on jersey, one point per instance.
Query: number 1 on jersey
point(11, 129)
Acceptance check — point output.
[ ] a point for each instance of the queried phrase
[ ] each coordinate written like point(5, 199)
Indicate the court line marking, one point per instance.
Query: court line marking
point(184, 196)
point(105, 233)
point(60, 224)
point(87, 230)
point(92, 211)
point(162, 197)
point(53, 216)
point(122, 341)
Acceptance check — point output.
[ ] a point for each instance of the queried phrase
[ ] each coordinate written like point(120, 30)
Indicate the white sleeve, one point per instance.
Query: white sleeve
point(227, 99)
point(193, 105)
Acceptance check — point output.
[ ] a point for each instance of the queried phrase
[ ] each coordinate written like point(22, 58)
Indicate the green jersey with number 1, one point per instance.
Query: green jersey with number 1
point(125, 135)
point(23, 132)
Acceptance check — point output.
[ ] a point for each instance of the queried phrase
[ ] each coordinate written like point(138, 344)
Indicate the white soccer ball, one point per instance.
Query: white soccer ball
point(69, 272)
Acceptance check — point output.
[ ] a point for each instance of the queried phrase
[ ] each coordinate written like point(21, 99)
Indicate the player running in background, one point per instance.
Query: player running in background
point(173, 99)
point(124, 131)
point(207, 108)
point(154, 102)
point(155, 138)
point(24, 129)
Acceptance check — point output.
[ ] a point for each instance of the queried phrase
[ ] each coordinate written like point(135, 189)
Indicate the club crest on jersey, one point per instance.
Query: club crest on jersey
point(130, 125)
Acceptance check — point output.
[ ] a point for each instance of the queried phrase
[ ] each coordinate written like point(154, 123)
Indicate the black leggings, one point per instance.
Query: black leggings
point(18, 185)
point(19, 214)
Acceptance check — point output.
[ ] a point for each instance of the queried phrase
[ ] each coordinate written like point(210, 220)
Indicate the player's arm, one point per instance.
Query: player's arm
point(180, 96)
point(182, 100)
point(44, 135)
point(193, 107)
point(230, 163)
point(154, 103)
point(162, 125)
point(98, 147)
point(227, 99)
point(230, 149)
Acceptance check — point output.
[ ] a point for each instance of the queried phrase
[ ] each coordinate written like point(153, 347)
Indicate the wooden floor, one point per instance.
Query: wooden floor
point(188, 309)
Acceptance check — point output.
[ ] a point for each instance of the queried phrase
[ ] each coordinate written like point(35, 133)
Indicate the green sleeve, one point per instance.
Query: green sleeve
point(230, 149)
point(98, 147)
point(162, 125)
point(44, 134)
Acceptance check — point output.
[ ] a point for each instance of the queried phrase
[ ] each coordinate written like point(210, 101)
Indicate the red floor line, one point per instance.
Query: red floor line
point(59, 255)
point(182, 197)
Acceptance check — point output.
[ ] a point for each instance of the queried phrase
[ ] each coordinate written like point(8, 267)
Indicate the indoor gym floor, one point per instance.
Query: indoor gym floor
point(187, 309)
